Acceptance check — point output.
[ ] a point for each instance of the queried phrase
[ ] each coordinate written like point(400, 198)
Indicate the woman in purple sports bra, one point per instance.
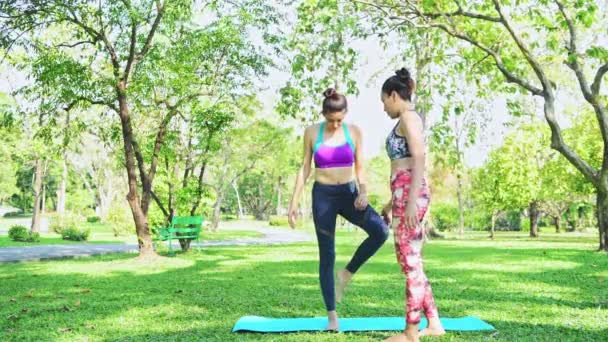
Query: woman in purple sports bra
point(339, 189)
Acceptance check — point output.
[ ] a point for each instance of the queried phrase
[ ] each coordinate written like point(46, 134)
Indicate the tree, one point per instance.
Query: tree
point(9, 136)
point(464, 115)
point(511, 178)
point(242, 149)
point(321, 55)
point(110, 42)
point(506, 39)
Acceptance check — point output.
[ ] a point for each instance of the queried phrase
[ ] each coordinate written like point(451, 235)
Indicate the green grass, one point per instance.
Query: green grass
point(540, 290)
point(55, 239)
point(102, 233)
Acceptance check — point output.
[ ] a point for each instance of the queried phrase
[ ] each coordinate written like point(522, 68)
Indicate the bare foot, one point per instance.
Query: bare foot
point(397, 338)
point(332, 321)
point(432, 332)
point(344, 277)
point(434, 328)
point(403, 337)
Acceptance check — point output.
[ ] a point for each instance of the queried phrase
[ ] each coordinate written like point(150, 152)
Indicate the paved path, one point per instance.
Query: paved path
point(32, 253)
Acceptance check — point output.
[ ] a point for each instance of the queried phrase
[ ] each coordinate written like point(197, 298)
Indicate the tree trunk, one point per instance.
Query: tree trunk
point(602, 219)
point(238, 200)
point(38, 174)
point(534, 214)
point(558, 223)
point(493, 227)
point(199, 191)
point(140, 217)
point(43, 205)
point(279, 209)
point(460, 205)
point(61, 193)
point(216, 209)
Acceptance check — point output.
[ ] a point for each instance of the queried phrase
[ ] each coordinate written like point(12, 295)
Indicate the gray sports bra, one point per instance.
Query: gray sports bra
point(396, 145)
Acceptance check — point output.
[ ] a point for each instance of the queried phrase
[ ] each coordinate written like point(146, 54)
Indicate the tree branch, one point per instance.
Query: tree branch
point(497, 60)
point(159, 203)
point(524, 50)
point(135, 57)
point(597, 81)
point(572, 61)
point(590, 94)
point(76, 44)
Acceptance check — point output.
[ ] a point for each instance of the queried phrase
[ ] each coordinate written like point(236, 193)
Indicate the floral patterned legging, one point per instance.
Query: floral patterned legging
point(408, 245)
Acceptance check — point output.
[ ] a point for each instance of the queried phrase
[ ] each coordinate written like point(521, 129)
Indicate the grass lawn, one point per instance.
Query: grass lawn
point(100, 233)
point(549, 289)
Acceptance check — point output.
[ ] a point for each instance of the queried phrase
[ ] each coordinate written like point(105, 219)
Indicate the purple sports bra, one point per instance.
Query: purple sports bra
point(333, 156)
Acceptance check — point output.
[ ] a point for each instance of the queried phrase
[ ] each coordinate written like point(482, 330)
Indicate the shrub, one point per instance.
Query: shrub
point(14, 214)
point(477, 219)
point(67, 220)
point(445, 216)
point(75, 234)
point(228, 217)
point(121, 220)
point(21, 233)
point(18, 233)
point(93, 219)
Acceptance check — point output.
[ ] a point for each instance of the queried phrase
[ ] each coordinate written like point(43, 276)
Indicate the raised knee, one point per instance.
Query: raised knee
point(382, 234)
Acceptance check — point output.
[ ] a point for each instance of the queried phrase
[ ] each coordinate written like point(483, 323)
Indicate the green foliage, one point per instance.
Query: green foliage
point(476, 219)
point(93, 219)
point(58, 223)
point(444, 216)
point(14, 214)
point(8, 163)
point(75, 234)
point(511, 220)
point(21, 233)
point(121, 219)
point(321, 55)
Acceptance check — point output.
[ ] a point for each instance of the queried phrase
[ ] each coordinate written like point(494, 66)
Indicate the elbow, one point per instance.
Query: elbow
point(305, 172)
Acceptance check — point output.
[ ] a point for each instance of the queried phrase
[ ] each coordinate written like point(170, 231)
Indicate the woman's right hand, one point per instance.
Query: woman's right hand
point(292, 216)
point(386, 212)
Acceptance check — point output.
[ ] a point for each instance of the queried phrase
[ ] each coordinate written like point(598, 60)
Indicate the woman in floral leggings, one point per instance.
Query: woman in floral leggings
point(409, 202)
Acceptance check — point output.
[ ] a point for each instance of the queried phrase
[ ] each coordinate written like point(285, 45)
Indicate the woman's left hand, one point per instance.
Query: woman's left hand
point(411, 215)
point(361, 201)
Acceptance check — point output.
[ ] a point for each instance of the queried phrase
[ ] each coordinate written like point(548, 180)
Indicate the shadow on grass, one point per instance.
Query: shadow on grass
point(201, 294)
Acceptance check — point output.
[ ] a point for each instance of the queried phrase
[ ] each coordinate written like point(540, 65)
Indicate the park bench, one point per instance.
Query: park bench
point(181, 227)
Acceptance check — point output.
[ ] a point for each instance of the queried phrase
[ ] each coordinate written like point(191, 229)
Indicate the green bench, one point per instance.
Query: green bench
point(181, 227)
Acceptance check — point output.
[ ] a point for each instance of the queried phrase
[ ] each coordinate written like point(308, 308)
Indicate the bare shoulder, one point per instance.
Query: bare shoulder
point(309, 130)
point(410, 120)
point(354, 129)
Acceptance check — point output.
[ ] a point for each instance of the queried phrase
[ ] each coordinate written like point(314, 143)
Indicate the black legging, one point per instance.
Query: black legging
point(327, 202)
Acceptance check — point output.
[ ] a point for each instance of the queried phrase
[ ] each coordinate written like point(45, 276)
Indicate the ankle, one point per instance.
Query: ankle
point(346, 273)
point(411, 330)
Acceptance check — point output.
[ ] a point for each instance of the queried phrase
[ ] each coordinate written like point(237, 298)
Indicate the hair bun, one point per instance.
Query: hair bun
point(330, 92)
point(403, 74)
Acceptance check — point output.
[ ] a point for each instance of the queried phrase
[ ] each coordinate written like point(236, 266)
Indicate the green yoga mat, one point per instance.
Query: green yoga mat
point(274, 325)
